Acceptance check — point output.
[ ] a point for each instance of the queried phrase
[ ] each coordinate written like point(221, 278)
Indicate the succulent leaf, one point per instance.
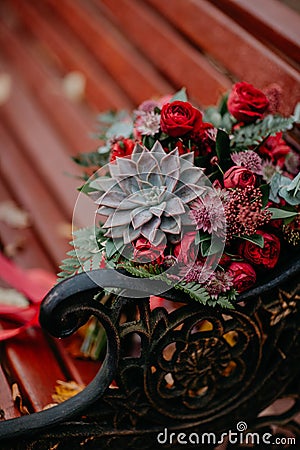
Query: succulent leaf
point(148, 194)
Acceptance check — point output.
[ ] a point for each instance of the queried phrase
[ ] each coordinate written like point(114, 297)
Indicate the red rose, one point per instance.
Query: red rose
point(238, 176)
point(243, 275)
point(180, 118)
point(205, 137)
point(186, 251)
point(120, 148)
point(145, 252)
point(276, 149)
point(246, 103)
point(266, 256)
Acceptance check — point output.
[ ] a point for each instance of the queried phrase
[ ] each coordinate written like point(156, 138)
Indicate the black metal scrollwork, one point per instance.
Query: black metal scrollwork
point(194, 368)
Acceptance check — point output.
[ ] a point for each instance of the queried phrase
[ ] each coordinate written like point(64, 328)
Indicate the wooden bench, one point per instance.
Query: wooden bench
point(127, 51)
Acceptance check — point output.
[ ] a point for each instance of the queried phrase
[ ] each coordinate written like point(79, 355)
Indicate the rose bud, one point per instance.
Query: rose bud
point(186, 251)
point(266, 256)
point(179, 118)
point(145, 252)
point(275, 149)
point(121, 148)
point(238, 176)
point(246, 103)
point(243, 275)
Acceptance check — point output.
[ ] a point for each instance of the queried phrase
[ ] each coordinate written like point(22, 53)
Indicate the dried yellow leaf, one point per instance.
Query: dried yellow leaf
point(65, 390)
point(17, 398)
point(13, 216)
point(12, 297)
point(5, 87)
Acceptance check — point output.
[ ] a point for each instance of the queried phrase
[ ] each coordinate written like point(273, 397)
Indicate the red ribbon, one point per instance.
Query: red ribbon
point(34, 284)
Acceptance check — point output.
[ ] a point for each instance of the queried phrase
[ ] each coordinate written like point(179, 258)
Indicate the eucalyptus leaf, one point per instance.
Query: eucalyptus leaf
point(208, 247)
point(180, 96)
point(256, 239)
point(276, 183)
point(265, 190)
point(124, 129)
point(201, 237)
point(297, 113)
point(282, 213)
point(290, 192)
point(288, 197)
point(110, 249)
point(213, 116)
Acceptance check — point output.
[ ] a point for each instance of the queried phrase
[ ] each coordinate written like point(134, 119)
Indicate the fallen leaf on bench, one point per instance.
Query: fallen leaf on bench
point(12, 248)
point(13, 216)
point(5, 87)
point(12, 297)
point(50, 405)
point(65, 390)
point(74, 85)
point(64, 229)
point(17, 398)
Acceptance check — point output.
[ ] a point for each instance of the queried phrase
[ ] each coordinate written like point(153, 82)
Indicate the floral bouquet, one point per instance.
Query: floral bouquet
point(206, 202)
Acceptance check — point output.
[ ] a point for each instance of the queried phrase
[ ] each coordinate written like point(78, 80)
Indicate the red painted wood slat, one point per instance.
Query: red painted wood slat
point(6, 401)
point(225, 41)
point(46, 217)
point(167, 49)
point(270, 21)
point(101, 90)
point(130, 68)
point(71, 120)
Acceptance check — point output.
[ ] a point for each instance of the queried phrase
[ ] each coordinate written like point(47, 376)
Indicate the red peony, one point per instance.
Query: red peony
point(266, 256)
point(120, 148)
point(246, 103)
point(186, 251)
point(238, 176)
point(145, 252)
point(243, 275)
point(180, 118)
point(276, 149)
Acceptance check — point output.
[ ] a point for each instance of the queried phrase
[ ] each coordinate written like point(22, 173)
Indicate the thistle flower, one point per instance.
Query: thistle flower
point(268, 169)
point(244, 212)
point(219, 283)
point(248, 159)
point(148, 194)
point(292, 163)
point(148, 123)
point(195, 272)
point(208, 214)
point(216, 283)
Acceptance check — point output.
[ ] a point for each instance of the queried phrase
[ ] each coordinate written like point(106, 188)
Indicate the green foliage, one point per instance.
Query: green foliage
point(265, 190)
point(256, 239)
point(291, 191)
point(284, 187)
point(255, 133)
point(211, 246)
point(92, 159)
point(194, 290)
point(282, 213)
point(180, 96)
point(88, 245)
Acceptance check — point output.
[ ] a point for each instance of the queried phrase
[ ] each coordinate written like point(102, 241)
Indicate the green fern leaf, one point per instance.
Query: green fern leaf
point(88, 246)
point(255, 133)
